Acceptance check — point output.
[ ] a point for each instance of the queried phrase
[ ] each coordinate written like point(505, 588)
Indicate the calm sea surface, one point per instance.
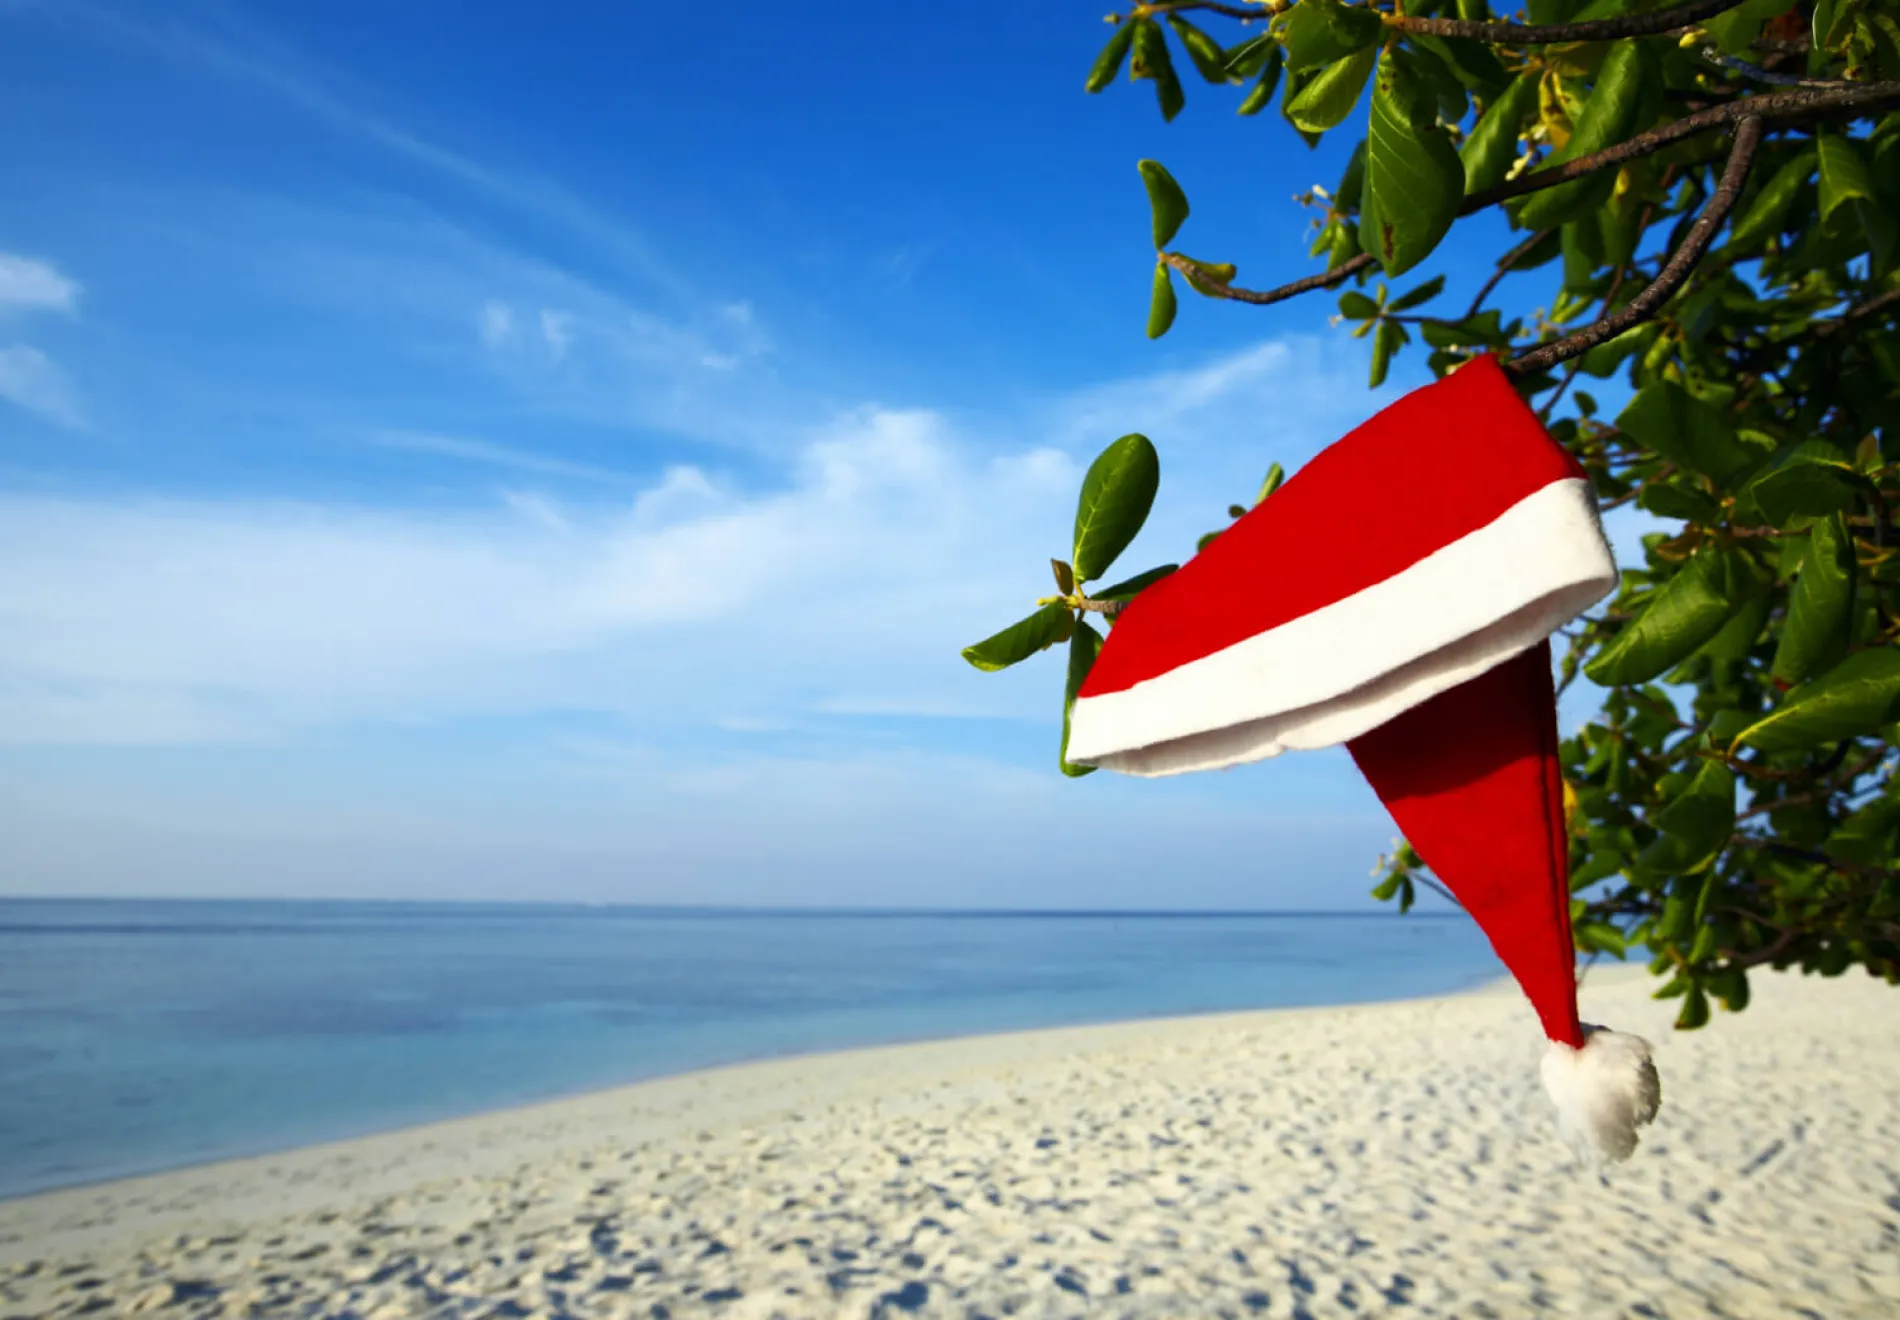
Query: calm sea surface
point(137, 1036)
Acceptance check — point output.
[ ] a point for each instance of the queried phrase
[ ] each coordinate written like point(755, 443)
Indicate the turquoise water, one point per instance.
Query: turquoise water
point(137, 1036)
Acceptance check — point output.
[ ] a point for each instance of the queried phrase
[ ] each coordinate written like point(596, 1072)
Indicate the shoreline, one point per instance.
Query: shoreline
point(1386, 1158)
point(657, 1095)
point(272, 1152)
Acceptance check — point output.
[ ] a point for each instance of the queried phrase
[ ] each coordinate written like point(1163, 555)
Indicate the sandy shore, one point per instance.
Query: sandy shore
point(1381, 1160)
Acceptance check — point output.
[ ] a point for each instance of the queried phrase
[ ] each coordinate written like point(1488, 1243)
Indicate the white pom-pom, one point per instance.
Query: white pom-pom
point(1604, 1091)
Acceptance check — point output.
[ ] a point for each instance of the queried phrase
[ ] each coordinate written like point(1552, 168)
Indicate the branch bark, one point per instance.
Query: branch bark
point(1772, 105)
point(1550, 34)
point(1497, 34)
point(1264, 297)
point(1647, 303)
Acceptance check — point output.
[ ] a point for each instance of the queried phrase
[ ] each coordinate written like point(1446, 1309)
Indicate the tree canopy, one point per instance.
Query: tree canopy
point(1708, 205)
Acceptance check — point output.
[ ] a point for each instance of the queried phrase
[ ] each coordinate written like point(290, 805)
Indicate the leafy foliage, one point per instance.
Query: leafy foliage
point(1734, 802)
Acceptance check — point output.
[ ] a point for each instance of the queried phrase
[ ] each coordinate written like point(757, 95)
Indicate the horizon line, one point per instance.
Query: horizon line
point(734, 909)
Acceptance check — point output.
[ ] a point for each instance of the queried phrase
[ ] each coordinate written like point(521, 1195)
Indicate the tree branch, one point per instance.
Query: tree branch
point(1646, 304)
point(1772, 105)
point(1881, 303)
point(1505, 263)
point(1261, 298)
point(1550, 34)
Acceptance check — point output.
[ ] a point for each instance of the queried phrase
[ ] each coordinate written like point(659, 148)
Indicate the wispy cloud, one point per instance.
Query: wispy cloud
point(247, 55)
point(480, 451)
point(496, 324)
point(557, 331)
point(30, 284)
point(32, 380)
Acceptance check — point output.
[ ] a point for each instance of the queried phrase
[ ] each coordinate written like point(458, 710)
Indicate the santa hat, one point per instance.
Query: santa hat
point(1397, 595)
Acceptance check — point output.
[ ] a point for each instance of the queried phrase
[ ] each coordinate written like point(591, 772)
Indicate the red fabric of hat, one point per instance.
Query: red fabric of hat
point(1397, 595)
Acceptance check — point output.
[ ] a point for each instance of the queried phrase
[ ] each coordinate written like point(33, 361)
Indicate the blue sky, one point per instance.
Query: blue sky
point(493, 452)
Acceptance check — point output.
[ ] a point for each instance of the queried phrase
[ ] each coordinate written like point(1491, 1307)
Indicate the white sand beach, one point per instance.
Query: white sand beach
point(1383, 1160)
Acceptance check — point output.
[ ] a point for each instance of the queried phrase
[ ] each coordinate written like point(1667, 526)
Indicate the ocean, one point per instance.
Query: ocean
point(137, 1036)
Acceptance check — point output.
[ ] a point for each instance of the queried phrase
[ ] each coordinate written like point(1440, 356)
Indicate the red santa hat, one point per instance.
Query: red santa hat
point(1397, 595)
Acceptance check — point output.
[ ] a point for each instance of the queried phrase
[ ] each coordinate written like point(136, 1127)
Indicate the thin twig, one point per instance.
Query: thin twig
point(1857, 312)
point(1262, 297)
point(1683, 260)
point(1770, 105)
point(1774, 105)
point(1550, 34)
point(1498, 34)
point(1769, 76)
point(1508, 260)
point(1439, 889)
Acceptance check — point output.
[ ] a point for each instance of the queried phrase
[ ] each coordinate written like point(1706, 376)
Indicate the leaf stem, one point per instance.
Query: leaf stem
point(1263, 297)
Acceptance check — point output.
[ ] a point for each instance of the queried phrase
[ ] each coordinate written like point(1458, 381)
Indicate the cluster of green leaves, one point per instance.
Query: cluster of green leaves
point(1117, 493)
point(1733, 803)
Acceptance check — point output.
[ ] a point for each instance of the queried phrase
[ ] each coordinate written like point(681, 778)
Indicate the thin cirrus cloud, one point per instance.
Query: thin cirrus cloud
point(245, 56)
point(29, 284)
point(35, 382)
point(501, 456)
point(28, 377)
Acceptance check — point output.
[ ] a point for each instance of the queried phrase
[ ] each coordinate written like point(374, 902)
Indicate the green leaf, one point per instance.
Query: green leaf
point(1332, 93)
point(1019, 641)
point(1815, 633)
point(1084, 646)
point(1208, 277)
point(1736, 30)
point(1152, 61)
point(1855, 697)
point(1695, 1011)
point(1696, 825)
point(1608, 116)
point(1810, 479)
point(1449, 99)
point(1275, 475)
point(1607, 357)
point(1261, 94)
point(1736, 638)
point(1843, 176)
point(1767, 214)
point(1424, 293)
point(1109, 62)
point(1167, 204)
point(1414, 180)
point(1472, 63)
point(1132, 587)
point(1206, 53)
point(1252, 56)
point(1320, 31)
point(1680, 616)
point(1867, 837)
point(1355, 306)
point(1386, 341)
point(1065, 577)
point(1669, 500)
point(1666, 419)
point(1161, 302)
point(1352, 182)
point(1485, 330)
point(1117, 493)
